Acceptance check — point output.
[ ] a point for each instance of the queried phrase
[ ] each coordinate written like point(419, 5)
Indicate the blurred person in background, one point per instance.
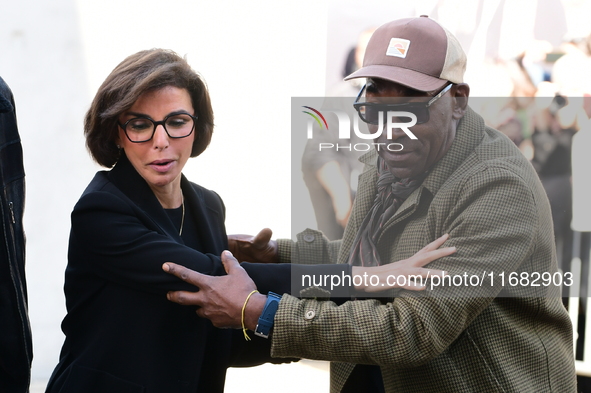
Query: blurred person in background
point(331, 176)
point(572, 80)
point(552, 143)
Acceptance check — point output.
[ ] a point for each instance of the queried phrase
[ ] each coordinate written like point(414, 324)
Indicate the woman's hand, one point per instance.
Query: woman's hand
point(401, 274)
point(259, 248)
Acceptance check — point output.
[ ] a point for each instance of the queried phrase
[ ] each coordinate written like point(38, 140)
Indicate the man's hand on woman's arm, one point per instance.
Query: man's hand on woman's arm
point(220, 299)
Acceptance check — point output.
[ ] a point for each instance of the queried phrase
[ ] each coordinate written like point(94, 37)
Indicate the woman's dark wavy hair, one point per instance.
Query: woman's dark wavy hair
point(144, 71)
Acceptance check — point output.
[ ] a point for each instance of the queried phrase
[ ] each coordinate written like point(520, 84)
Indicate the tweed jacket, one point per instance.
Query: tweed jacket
point(464, 338)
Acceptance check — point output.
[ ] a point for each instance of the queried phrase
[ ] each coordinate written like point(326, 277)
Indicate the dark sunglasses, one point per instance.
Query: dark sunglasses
point(370, 112)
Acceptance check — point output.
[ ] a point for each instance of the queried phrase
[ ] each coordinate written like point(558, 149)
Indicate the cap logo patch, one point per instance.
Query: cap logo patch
point(398, 47)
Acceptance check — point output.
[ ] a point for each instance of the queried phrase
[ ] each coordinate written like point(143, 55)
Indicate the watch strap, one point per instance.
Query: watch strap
point(267, 318)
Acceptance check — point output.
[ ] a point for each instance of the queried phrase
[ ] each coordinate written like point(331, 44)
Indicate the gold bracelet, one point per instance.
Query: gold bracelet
point(244, 308)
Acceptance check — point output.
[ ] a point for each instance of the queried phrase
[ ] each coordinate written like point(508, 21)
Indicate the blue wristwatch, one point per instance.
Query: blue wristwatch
point(267, 318)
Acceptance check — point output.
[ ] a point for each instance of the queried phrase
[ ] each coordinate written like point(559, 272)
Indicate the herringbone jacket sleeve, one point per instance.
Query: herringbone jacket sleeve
point(311, 248)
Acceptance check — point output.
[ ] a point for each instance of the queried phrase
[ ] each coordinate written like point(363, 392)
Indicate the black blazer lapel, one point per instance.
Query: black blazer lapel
point(206, 216)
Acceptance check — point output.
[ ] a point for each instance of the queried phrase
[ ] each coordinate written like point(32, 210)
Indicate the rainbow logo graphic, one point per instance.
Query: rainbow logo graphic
point(316, 117)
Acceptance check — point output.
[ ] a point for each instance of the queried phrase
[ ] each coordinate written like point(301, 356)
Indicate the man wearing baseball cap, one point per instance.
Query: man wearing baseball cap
point(458, 177)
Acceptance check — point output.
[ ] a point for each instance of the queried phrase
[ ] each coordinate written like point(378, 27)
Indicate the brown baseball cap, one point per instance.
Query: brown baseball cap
point(415, 52)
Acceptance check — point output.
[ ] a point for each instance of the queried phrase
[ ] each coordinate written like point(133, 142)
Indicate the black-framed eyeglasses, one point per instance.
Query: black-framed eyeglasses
point(370, 112)
point(142, 129)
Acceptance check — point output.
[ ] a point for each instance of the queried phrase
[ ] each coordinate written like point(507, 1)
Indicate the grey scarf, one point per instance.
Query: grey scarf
point(392, 192)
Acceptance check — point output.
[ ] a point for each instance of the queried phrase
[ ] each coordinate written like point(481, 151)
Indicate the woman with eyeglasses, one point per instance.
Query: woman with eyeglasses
point(151, 115)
